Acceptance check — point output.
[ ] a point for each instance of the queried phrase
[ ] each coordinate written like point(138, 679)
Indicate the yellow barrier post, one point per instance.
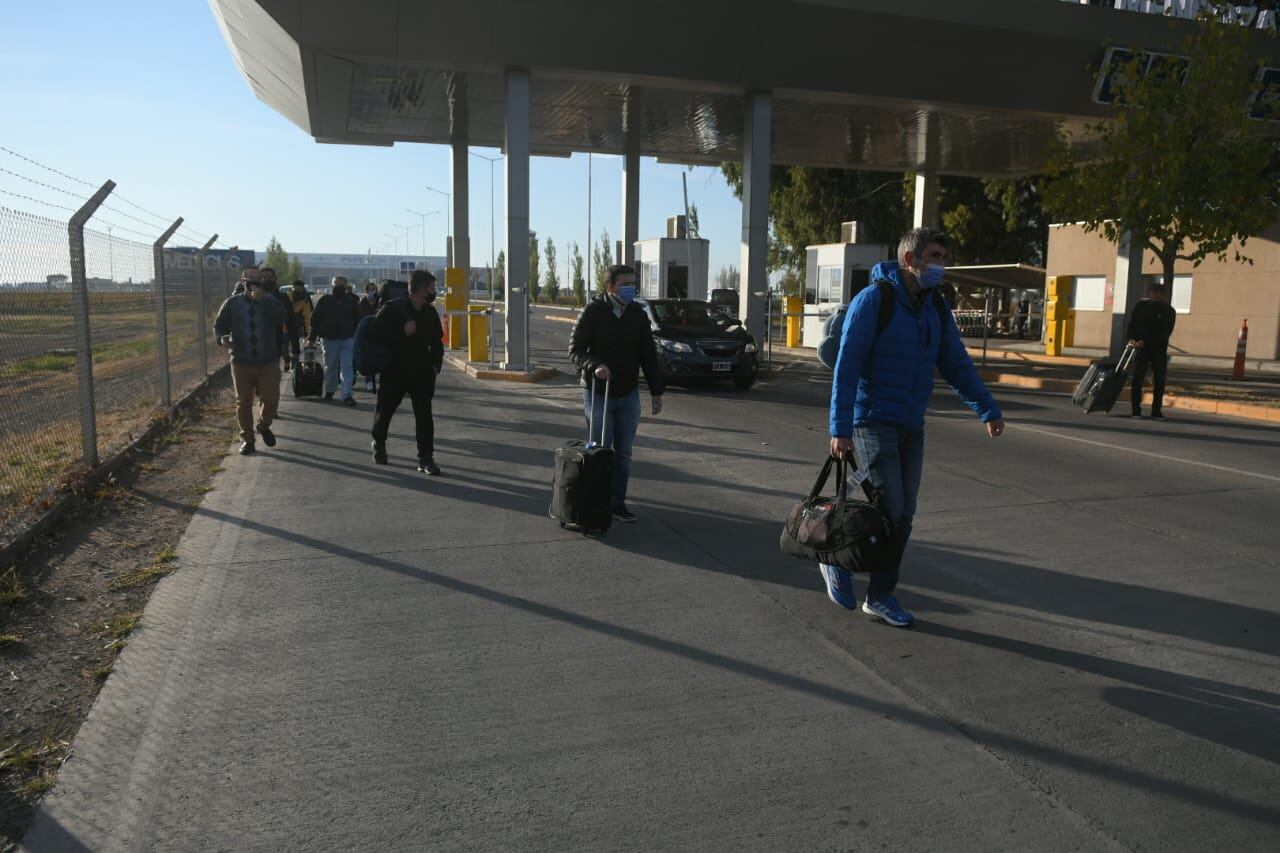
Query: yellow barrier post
point(794, 307)
point(455, 306)
point(477, 333)
point(1055, 315)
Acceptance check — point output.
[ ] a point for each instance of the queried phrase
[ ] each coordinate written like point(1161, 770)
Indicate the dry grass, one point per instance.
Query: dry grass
point(142, 577)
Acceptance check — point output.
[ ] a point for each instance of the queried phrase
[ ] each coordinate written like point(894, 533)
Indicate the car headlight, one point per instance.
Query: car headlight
point(674, 346)
point(750, 347)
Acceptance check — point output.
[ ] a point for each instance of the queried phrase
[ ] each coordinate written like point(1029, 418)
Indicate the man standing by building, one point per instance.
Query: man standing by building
point(882, 383)
point(610, 344)
point(410, 329)
point(251, 325)
point(334, 322)
point(1150, 327)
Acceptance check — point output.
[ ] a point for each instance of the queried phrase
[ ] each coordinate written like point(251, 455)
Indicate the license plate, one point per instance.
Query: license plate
point(722, 366)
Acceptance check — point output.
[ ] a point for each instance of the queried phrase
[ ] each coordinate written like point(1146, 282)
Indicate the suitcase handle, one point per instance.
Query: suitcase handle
point(1126, 358)
point(591, 413)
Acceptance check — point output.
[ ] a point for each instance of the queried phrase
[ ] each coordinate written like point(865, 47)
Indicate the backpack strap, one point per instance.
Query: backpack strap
point(888, 302)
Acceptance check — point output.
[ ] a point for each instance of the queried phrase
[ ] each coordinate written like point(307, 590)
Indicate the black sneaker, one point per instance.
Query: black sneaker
point(429, 467)
point(625, 515)
point(328, 395)
point(247, 448)
point(379, 452)
point(268, 437)
point(1135, 414)
point(348, 401)
point(1158, 416)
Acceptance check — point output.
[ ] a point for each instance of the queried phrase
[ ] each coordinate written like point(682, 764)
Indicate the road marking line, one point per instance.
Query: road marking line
point(1160, 456)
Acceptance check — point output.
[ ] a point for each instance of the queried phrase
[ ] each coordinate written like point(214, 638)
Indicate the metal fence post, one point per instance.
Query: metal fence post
point(162, 328)
point(84, 345)
point(226, 270)
point(202, 306)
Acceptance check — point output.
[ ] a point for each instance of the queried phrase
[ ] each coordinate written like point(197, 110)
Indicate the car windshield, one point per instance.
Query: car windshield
point(690, 314)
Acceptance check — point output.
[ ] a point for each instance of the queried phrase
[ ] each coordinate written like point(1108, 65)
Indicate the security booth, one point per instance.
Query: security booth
point(834, 274)
point(673, 267)
point(998, 300)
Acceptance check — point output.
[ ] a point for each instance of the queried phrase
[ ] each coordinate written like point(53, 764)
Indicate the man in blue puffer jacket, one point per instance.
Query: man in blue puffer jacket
point(883, 380)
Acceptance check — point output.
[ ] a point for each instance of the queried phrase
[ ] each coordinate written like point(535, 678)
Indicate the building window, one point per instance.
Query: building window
point(650, 287)
point(1089, 293)
point(830, 284)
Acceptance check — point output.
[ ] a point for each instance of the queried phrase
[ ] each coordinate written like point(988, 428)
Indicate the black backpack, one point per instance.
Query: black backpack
point(834, 326)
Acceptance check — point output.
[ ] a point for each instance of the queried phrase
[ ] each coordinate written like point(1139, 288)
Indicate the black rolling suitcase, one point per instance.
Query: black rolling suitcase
point(308, 375)
point(1102, 383)
point(582, 487)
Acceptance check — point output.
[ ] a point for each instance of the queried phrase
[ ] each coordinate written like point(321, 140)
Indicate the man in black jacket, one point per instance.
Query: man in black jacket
point(611, 343)
point(1150, 326)
point(410, 330)
point(334, 321)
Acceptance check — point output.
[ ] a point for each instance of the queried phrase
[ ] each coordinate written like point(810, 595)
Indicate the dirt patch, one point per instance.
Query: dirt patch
point(67, 607)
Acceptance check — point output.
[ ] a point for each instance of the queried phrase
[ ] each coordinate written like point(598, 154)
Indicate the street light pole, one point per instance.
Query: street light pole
point(448, 215)
point(492, 258)
point(423, 216)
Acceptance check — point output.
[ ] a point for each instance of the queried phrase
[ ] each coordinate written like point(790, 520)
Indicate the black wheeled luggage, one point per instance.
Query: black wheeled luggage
point(1102, 383)
point(582, 486)
point(308, 375)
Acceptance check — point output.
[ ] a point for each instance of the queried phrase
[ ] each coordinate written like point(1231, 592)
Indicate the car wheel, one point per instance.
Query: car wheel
point(742, 383)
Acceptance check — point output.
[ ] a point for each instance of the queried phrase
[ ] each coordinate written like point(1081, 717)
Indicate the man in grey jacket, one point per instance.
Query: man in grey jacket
point(251, 325)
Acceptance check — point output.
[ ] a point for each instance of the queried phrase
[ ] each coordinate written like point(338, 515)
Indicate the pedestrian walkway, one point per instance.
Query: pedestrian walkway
point(360, 657)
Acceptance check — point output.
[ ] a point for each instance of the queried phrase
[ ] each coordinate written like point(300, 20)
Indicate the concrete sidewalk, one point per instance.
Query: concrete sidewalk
point(353, 656)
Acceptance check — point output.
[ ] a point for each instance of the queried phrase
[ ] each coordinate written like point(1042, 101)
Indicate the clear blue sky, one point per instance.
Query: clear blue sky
point(145, 92)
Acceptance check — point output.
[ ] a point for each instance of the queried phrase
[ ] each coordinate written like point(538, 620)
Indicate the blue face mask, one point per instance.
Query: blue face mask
point(932, 276)
point(626, 293)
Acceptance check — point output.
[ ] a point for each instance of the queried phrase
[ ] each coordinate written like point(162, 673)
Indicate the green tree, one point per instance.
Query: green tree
point(990, 221)
point(807, 205)
point(601, 260)
point(577, 264)
point(533, 268)
point(691, 227)
point(500, 275)
point(551, 280)
point(727, 278)
point(288, 268)
point(1180, 165)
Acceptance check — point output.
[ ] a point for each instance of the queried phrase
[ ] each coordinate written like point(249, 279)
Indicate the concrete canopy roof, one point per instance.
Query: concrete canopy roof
point(951, 87)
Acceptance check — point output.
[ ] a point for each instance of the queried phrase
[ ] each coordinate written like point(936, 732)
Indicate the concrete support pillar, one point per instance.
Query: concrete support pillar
point(460, 193)
point(1127, 290)
point(925, 214)
point(631, 127)
point(756, 156)
point(516, 317)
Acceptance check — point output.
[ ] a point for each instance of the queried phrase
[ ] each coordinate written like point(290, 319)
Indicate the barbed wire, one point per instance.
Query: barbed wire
point(165, 222)
point(36, 200)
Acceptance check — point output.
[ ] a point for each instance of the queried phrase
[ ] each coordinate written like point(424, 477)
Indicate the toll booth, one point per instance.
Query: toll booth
point(673, 267)
point(834, 274)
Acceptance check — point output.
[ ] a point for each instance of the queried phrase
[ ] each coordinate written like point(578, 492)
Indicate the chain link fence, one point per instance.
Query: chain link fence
point(48, 430)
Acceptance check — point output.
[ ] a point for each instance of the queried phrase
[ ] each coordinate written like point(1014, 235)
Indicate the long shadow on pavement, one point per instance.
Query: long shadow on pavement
point(1201, 797)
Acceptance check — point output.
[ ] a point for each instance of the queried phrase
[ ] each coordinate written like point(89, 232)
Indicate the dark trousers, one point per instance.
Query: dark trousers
point(391, 393)
point(1158, 361)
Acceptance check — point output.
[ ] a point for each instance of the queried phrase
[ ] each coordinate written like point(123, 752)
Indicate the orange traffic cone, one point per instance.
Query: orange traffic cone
point(1237, 369)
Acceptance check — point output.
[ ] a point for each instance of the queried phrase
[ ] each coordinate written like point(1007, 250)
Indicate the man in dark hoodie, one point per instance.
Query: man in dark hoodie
point(251, 325)
point(1150, 327)
point(334, 321)
point(610, 344)
point(272, 287)
point(410, 330)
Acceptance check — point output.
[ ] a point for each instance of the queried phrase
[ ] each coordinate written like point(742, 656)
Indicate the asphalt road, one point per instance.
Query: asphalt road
point(353, 656)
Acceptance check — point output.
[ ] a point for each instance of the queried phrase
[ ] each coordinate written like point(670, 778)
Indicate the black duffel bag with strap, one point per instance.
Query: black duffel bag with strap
point(840, 530)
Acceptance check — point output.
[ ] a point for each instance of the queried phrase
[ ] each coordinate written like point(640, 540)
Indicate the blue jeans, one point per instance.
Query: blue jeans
point(339, 353)
point(894, 458)
point(621, 418)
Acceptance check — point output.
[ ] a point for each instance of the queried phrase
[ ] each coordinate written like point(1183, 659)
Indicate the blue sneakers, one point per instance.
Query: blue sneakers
point(889, 610)
point(839, 585)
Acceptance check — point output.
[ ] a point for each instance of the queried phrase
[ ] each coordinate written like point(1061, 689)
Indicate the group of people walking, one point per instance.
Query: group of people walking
point(264, 328)
point(895, 333)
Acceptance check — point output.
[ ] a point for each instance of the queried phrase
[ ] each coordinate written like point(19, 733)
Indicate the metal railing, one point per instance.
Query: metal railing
point(98, 335)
